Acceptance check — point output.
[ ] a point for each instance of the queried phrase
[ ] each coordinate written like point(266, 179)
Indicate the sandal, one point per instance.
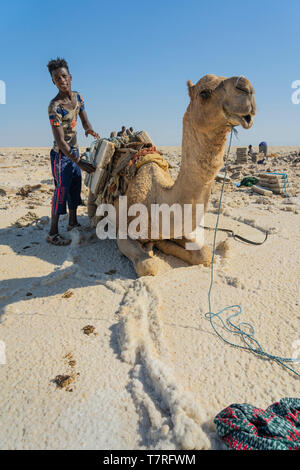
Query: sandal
point(70, 227)
point(57, 240)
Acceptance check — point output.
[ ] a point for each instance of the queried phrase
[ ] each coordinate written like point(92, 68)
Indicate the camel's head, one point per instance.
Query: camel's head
point(219, 101)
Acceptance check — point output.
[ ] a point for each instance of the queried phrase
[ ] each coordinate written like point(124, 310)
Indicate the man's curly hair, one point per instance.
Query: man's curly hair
point(58, 63)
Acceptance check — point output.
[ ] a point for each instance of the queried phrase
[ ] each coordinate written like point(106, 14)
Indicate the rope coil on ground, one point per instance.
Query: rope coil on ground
point(247, 337)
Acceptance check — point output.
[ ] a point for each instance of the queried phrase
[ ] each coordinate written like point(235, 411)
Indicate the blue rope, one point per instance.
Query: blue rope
point(252, 344)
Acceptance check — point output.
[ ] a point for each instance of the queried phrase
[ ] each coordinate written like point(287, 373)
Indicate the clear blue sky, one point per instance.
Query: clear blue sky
point(131, 60)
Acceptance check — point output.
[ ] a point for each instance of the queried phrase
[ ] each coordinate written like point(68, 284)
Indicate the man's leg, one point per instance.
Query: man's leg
point(73, 222)
point(74, 196)
point(62, 177)
point(54, 224)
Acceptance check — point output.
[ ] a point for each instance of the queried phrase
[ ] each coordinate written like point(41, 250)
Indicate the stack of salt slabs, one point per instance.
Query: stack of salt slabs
point(241, 155)
point(270, 183)
point(277, 183)
point(100, 154)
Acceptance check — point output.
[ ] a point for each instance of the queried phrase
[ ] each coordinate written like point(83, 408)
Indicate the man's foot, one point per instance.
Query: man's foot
point(57, 240)
point(70, 227)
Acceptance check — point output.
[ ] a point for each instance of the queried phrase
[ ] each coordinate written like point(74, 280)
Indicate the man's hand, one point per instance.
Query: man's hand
point(92, 133)
point(85, 166)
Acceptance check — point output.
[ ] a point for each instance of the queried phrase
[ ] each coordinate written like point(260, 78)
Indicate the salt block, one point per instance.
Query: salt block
point(274, 185)
point(104, 154)
point(91, 206)
point(236, 175)
point(280, 191)
point(272, 180)
point(96, 180)
point(269, 176)
point(87, 179)
point(236, 167)
point(241, 154)
point(93, 149)
point(260, 190)
point(221, 177)
point(144, 137)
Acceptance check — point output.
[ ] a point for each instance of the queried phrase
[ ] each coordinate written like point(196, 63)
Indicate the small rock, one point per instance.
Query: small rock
point(88, 329)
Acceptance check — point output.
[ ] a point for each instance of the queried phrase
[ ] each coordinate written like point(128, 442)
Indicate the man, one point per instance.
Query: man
point(263, 148)
point(122, 131)
point(66, 165)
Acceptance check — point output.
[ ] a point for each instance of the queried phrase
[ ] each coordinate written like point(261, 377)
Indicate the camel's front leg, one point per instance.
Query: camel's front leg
point(144, 263)
point(177, 248)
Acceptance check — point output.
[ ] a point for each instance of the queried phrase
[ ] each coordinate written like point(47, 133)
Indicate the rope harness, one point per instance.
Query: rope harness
point(239, 237)
point(252, 344)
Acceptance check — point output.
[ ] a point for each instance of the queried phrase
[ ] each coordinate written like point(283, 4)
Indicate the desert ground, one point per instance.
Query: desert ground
point(96, 358)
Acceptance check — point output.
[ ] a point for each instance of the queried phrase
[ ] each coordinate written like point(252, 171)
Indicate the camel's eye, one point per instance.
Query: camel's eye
point(205, 94)
point(244, 90)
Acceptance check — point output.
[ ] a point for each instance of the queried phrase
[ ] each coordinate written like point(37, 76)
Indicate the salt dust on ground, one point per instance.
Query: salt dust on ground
point(98, 359)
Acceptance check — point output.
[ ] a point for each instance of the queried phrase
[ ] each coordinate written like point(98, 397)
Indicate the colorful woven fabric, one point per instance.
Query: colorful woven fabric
point(244, 427)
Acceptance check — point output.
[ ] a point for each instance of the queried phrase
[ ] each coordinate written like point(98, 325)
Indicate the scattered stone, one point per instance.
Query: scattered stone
point(88, 329)
point(26, 220)
point(25, 190)
point(67, 294)
point(70, 359)
point(233, 281)
point(63, 381)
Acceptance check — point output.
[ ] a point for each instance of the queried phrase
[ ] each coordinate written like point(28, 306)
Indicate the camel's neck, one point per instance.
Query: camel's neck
point(202, 157)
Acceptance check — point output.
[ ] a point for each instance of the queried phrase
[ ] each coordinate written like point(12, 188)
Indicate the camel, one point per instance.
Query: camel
point(216, 105)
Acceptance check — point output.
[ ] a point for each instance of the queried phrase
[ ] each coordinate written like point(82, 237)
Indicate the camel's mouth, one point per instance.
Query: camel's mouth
point(245, 121)
point(248, 120)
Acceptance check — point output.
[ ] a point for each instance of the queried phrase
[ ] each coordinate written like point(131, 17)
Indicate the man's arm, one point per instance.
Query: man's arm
point(65, 148)
point(87, 125)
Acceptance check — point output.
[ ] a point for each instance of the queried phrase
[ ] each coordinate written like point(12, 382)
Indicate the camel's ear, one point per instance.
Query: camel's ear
point(191, 88)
